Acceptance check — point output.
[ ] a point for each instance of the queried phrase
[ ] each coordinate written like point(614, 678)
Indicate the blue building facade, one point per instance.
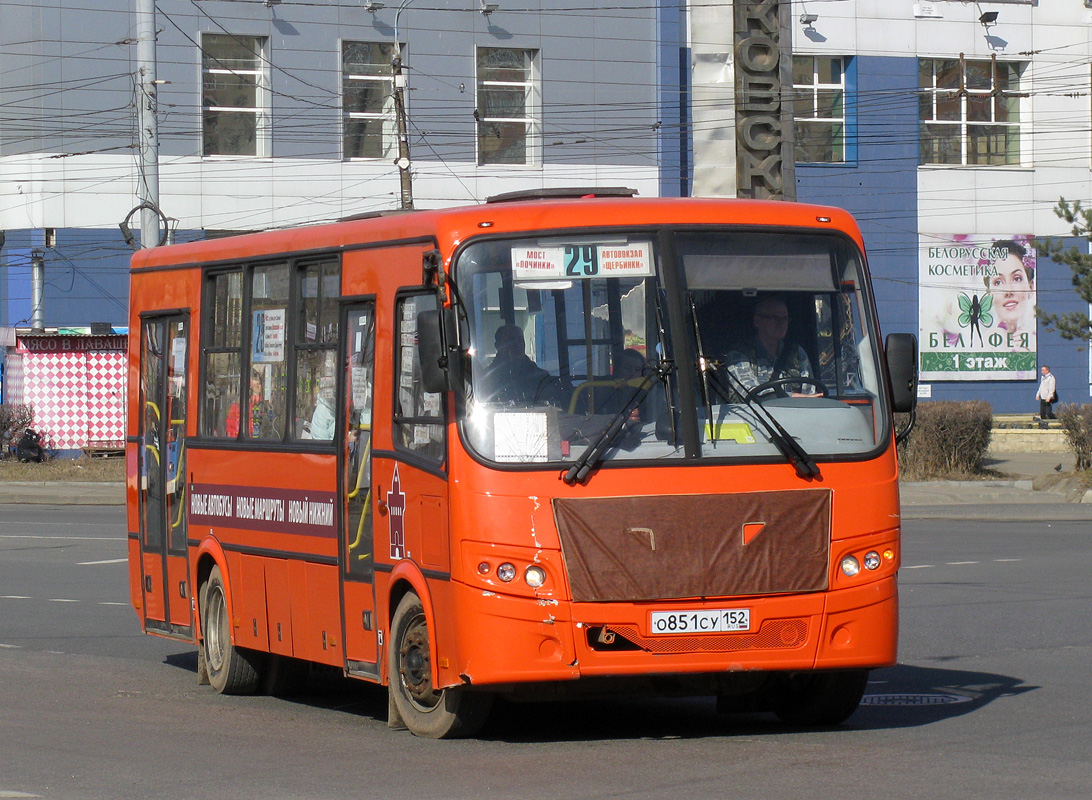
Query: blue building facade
point(959, 138)
point(599, 95)
point(272, 115)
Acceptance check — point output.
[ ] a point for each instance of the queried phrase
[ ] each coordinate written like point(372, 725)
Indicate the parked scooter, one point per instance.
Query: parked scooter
point(30, 447)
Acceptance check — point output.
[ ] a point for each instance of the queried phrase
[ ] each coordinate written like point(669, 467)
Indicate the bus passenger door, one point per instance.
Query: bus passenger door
point(357, 501)
point(164, 550)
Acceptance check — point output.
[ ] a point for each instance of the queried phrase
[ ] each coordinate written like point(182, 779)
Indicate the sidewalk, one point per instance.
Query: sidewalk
point(1035, 485)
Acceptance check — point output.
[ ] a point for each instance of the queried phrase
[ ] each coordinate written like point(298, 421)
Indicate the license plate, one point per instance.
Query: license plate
point(720, 620)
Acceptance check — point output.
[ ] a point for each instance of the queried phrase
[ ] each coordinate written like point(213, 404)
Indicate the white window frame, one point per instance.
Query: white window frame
point(810, 92)
point(388, 116)
point(963, 124)
point(262, 94)
point(532, 106)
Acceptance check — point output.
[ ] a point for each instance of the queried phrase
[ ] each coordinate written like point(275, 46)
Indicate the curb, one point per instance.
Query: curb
point(99, 494)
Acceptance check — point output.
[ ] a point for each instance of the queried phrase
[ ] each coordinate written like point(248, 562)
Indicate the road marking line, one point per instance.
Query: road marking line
point(919, 566)
point(14, 597)
point(1007, 560)
point(961, 563)
point(111, 540)
point(61, 600)
point(11, 646)
point(31, 523)
point(17, 794)
point(107, 561)
point(111, 603)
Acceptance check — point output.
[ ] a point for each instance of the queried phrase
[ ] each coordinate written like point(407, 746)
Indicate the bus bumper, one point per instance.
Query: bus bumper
point(521, 640)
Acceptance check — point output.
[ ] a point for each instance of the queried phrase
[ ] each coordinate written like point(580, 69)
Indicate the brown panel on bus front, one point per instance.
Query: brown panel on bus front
point(673, 546)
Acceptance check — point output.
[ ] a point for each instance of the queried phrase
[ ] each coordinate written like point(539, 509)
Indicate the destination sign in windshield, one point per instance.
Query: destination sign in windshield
point(577, 261)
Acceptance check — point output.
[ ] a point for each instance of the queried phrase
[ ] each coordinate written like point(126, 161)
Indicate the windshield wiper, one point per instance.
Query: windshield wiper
point(710, 379)
point(661, 339)
point(800, 458)
point(592, 456)
point(703, 367)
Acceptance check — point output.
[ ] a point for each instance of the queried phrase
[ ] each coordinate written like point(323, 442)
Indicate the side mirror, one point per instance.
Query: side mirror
point(436, 366)
point(901, 351)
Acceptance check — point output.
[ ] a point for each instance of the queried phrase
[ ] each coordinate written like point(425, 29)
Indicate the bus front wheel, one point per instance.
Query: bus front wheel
point(444, 714)
point(822, 697)
point(232, 670)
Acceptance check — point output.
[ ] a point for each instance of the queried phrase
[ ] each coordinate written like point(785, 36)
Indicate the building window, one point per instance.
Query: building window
point(819, 85)
point(367, 100)
point(970, 111)
point(235, 96)
point(507, 112)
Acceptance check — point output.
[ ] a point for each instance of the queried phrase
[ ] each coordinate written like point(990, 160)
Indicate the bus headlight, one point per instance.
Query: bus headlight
point(851, 566)
point(872, 560)
point(506, 571)
point(535, 576)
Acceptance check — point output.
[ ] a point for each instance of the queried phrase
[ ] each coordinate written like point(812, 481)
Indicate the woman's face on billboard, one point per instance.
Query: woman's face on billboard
point(1011, 289)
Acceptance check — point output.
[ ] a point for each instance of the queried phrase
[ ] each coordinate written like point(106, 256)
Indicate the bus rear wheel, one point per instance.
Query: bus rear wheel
point(232, 670)
point(445, 714)
point(821, 698)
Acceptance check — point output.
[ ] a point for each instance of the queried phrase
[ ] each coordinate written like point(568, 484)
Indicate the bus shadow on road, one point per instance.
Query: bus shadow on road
point(907, 696)
point(903, 696)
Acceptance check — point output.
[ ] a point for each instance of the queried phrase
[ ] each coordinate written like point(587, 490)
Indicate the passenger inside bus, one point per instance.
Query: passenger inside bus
point(321, 425)
point(512, 377)
point(769, 355)
point(261, 413)
point(609, 396)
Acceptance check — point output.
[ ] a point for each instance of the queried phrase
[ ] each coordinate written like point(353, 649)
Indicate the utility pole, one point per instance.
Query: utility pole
point(403, 161)
point(147, 106)
point(37, 289)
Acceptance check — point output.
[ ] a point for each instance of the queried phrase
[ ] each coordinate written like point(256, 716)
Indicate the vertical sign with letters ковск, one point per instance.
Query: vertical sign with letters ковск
point(763, 74)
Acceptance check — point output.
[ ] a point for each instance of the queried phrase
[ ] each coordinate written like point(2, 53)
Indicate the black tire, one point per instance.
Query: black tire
point(821, 698)
point(446, 714)
point(232, 670)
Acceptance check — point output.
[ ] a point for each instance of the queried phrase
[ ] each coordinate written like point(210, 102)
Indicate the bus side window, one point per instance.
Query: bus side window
point(418, 415)
point(222, 352)
point(316, 351)
point(268, 368)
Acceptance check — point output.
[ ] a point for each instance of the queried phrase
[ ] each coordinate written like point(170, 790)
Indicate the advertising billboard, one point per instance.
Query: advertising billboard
point(976, 308)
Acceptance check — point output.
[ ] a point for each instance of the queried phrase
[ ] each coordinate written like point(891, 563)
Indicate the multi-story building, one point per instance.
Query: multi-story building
point(949, 128)
point(281, 113)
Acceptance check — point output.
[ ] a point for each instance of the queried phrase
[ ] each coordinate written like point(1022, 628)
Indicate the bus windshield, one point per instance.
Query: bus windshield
point(715, 343)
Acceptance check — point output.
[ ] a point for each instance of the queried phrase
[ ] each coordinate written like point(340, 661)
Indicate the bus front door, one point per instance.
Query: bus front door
point(357, 552)
point(164, 551)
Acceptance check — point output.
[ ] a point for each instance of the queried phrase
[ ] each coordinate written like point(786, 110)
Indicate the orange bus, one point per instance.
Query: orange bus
point(560, 440)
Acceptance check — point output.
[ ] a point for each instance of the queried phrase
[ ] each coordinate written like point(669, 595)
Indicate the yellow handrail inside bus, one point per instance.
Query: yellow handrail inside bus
point(177, 471)
point(609, 383)
point(356, 490)
point(363, 461)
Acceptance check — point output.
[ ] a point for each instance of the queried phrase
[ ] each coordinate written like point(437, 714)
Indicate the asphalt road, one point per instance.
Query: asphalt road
point(990, 698)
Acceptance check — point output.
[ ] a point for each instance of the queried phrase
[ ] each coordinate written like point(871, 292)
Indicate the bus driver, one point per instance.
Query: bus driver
point(512, 377)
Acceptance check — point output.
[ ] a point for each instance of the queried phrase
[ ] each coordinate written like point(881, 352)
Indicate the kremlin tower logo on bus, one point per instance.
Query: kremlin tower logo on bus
point(396, 503)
